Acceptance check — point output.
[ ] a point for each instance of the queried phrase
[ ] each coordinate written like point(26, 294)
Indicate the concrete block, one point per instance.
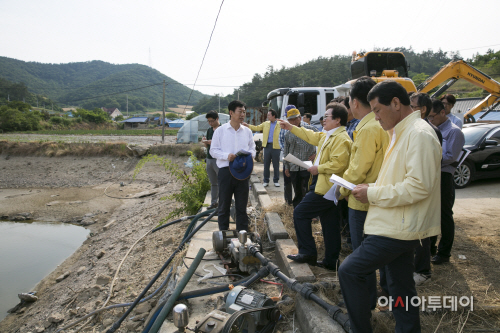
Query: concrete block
point(275, 227)
point(312, 318)
point(300, 272)
point(258, 189)
point(265, 201)
point(254, 180)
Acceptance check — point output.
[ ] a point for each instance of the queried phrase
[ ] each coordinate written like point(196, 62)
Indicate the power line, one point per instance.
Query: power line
point(478, 47)
point(215, 24)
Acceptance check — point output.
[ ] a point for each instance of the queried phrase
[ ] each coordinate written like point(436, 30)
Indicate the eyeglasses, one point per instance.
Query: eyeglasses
point(326, 116)
point(414, 106)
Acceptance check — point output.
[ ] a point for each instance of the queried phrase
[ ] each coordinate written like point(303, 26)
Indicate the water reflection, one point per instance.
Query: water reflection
point(29, 251)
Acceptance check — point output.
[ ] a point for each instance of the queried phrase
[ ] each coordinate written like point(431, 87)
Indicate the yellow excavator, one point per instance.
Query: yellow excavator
point(459, 69)
point(380, 66)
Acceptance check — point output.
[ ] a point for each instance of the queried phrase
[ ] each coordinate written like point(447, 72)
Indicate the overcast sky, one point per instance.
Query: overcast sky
point(172, 36)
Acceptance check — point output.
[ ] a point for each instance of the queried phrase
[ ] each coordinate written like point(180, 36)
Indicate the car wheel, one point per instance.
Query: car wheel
point(463, 175)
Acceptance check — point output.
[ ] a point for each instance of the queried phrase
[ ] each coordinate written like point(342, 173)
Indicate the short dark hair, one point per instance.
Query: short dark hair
point(308, 115)
point(449, 98)
point(386, 90)
point(320, 118)
point(338, 111)
point(437, 105)
point(423, 99)
point(212, 114)
point(236, 104)
point(361, 88)
point(273, 112)
point(342, 100)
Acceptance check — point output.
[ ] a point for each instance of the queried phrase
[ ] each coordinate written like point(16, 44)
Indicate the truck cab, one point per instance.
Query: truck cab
point(311, 100)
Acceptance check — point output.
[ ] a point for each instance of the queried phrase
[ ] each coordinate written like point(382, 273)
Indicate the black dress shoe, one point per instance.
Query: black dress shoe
point(321, 264)
point(303, 258)
point(438, 260)
point(212, 206)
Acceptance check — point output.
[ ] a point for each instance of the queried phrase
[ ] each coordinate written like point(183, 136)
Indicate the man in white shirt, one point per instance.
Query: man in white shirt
point(227, 141)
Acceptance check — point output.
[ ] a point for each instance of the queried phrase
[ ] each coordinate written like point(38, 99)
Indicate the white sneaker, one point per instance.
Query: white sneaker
point(420, 278)
point(276, 184)
point(265, 184)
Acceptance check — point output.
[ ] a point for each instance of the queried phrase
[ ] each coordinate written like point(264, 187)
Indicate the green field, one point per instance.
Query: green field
point(101, 132)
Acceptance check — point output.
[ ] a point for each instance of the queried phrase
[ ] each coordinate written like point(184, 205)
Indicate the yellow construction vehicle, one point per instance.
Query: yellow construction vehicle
point(460, 69)
point(380, 66)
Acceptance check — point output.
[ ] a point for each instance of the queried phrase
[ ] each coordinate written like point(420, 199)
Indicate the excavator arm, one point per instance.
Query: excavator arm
point(460, 69)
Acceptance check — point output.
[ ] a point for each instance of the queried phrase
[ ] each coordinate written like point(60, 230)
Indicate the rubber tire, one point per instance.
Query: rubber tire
point(463, 175)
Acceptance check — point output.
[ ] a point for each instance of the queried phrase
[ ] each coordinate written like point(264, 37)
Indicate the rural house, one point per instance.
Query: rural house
point(113, 112)
point(136, 123)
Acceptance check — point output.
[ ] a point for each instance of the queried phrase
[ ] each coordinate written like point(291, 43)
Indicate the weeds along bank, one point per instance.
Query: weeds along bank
point(119, 258)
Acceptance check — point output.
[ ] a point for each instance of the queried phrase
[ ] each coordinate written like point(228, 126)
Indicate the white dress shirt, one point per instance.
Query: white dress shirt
point(228, 141)
point(328, 134)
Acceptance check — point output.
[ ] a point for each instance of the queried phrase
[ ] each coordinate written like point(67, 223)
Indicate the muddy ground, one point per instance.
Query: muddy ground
point(68, 188)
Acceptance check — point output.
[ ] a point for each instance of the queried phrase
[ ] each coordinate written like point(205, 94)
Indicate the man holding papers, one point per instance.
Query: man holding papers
point(367, 154)
point(405, 194)
point(334, 147)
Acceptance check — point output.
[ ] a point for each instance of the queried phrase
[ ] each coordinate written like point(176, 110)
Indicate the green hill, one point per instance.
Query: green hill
point(96, 84)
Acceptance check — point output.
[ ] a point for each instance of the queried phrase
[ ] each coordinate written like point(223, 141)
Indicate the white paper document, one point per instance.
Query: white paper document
point(342, 182)
point(303, 164)
point(332, 194)
point(463, 155)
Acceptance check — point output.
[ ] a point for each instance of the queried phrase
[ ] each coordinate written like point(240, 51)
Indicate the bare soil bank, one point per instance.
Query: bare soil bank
point(62, 189)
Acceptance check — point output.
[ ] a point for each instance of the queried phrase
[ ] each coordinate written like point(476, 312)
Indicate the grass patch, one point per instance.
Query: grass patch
point(56, 149)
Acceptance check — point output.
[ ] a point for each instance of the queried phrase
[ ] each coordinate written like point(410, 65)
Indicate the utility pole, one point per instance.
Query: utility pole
point(238, 95)
point(219, 103)
point(163, 120)
point(127, 105)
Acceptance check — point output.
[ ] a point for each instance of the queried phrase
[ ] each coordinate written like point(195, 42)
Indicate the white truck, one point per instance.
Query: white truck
point(311, 100)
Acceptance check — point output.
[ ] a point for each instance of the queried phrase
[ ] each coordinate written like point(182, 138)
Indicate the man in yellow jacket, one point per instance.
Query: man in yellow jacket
point(270, 141)
point(402, 200)
point(334, 145)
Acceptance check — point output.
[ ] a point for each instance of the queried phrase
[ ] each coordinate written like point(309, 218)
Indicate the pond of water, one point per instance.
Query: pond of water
point(30, 251)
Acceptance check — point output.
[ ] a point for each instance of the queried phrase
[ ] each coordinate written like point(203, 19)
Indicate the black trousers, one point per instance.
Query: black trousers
point(300, 181)
point(311, 206)
point(396, 258)
point(447, 222)
point(423, 257)
point(287, 188)
point(228, 185)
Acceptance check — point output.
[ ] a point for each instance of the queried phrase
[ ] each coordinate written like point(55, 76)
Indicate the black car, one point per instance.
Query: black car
point(483, 140)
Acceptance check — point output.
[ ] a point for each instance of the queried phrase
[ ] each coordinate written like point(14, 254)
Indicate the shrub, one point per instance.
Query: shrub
point(194, 184)
point(56, 120)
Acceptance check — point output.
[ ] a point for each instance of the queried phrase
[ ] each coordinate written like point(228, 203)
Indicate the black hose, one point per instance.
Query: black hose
point(118, 323)
point(177, 291)
point(305, 291)
point(173, 222)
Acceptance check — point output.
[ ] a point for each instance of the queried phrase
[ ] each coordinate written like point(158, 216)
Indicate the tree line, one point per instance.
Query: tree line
point(335, 70)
